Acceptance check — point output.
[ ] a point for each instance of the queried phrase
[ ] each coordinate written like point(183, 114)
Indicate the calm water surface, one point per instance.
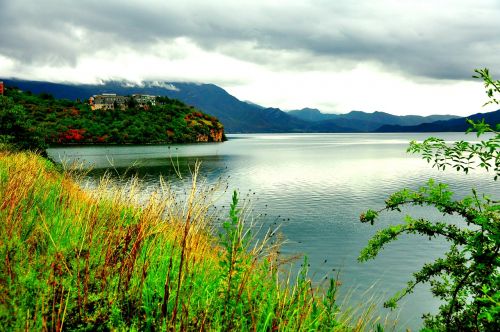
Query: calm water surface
point(315, 186)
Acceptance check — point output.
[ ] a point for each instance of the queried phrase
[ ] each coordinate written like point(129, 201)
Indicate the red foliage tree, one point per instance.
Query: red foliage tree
point(72, 135)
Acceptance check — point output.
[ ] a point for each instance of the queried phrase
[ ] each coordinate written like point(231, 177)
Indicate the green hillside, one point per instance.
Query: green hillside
point(27, 118)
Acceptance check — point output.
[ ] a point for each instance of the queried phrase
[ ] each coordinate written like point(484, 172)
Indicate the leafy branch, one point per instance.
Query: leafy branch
point(492, 86)
point(462, 155)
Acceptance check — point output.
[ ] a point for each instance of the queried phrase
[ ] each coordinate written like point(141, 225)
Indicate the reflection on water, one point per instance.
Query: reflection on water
point(315, 185)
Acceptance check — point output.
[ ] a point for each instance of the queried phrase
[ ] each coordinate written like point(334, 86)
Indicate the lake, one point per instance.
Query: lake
point(315, 186)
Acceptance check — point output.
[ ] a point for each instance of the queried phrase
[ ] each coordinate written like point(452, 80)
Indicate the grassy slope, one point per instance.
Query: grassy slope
point(83, 260)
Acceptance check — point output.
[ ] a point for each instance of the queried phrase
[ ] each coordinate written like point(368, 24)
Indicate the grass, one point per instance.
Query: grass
point(103, 259)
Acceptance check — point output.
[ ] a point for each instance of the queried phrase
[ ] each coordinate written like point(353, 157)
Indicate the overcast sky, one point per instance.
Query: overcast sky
point(397, 56)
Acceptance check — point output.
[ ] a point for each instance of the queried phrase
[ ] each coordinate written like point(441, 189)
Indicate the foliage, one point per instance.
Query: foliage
point(16, 128)
point(492, 86)
point(462, 155)
point(467, 278)
point(59, 121)
point(233, 260)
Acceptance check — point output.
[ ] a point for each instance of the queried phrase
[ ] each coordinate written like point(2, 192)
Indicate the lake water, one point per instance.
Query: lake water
point(315, 186)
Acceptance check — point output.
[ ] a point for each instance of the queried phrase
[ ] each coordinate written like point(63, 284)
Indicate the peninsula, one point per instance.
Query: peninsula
point(103, 119)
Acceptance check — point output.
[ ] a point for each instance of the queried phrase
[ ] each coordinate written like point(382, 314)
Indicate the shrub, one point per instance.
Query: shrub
point(467, 278)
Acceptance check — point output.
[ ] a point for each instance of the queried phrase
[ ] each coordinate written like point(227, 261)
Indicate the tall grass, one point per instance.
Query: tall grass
point(102, 259)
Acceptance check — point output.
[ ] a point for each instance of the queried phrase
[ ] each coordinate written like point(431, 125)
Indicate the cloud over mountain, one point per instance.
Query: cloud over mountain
point(236, 43)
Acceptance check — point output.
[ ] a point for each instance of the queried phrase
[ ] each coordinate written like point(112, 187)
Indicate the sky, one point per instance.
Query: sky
point(397, 56)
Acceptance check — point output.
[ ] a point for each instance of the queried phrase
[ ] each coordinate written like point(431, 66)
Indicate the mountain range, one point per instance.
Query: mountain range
point(363, 121)
point(457, 124)
point(246, 117)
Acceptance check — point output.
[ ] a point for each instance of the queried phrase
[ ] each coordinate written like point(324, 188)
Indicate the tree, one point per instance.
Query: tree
point(16, 128)
point(467, 278)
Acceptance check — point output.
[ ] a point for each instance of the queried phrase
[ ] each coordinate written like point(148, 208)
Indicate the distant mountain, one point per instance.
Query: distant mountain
point(252, 103)
point(311, 114)
point(458, 124)
point(243, 116)
point(236, 115)
point(365, 121)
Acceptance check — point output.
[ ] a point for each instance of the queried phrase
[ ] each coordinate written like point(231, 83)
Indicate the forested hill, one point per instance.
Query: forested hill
point(61, 121)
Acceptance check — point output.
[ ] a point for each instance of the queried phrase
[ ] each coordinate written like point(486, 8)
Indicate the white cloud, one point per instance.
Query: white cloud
point(7, 65)
point(364, 88)
point(165, 85)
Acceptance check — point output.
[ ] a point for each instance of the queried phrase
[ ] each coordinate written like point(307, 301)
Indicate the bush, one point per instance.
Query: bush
point(467, 278)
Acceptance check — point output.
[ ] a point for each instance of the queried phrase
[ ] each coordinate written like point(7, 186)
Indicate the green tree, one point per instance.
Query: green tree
point(17, 129)
point(467, 278)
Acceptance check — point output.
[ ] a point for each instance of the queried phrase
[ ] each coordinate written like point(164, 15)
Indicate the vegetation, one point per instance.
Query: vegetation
point(31, 121)
point(17, 128)
point(467, 278)
point(103, 259)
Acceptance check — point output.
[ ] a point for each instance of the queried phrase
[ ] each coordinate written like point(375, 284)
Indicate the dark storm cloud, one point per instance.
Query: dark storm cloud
point(436, 39)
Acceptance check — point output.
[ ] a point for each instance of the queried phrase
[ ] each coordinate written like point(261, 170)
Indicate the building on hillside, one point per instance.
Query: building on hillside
point(111, 101)
point(1, 88)
point(108, 101)
point(144, 100)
